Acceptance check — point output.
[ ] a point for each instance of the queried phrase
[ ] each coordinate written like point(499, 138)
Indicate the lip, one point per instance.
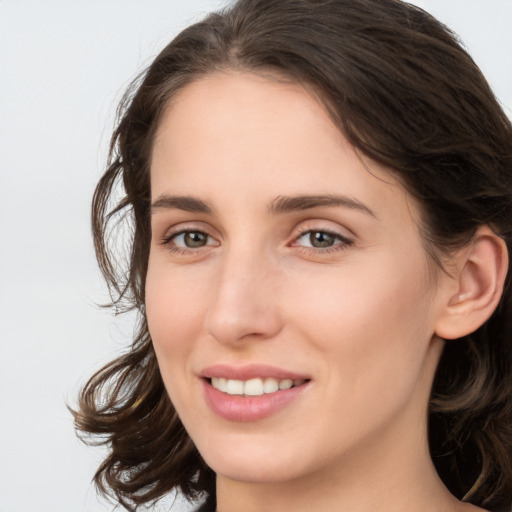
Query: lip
point(241, 408)
point(250, 371)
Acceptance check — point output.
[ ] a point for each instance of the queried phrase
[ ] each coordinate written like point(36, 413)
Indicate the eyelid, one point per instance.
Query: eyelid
point(324, 225)
point(176, 228)
point(334, 234)
point(188, 227)
point(174, 236)
point(344, 237)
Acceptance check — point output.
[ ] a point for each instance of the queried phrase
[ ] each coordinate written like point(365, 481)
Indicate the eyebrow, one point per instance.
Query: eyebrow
point(280, 205)
point(185, 203)
point(284, 204)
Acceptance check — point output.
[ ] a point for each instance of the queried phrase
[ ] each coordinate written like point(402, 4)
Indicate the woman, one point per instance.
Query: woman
point(321, 196)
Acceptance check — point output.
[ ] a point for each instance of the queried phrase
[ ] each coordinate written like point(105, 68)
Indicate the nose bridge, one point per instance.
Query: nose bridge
point(242, 303)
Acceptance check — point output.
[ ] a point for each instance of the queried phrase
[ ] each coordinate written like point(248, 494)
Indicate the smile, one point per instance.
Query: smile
point(254, 387)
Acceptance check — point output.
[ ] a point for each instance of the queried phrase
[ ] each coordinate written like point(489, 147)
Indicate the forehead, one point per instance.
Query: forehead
point(253, 134)
point(249, 105)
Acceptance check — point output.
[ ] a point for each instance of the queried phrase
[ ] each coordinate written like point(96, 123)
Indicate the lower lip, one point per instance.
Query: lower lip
point(249, 408)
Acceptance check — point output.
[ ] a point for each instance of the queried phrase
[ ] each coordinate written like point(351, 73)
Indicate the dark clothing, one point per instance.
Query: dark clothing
point(209, 505)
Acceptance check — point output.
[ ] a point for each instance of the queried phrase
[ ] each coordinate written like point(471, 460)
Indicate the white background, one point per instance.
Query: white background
point(63, 67)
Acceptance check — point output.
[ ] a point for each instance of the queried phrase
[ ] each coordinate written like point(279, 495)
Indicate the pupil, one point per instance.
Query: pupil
point(195, 239)
point(321, 239)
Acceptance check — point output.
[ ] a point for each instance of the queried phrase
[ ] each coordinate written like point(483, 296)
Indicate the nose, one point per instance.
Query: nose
point(243, 305)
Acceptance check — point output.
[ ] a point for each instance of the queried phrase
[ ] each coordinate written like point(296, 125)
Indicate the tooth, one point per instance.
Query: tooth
point(285, 384)
point(234, 387)
point(219, 383)
point(270, 385)
point(253, 387)
point(222, 383)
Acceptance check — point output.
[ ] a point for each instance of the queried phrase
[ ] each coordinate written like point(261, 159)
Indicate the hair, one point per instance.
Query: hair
point(404, 92)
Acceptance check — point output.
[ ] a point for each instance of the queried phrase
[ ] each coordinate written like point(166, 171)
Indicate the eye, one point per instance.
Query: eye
point(319, 239)
point(189, 239)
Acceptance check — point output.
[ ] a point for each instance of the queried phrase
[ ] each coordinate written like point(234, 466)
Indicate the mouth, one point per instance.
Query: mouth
point(253, 392)
point(254, 387)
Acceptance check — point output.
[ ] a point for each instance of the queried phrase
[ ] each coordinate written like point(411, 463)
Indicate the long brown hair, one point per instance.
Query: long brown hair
point(405, 93)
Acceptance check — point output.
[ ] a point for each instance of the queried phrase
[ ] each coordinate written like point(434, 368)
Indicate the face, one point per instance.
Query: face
point(278, 258)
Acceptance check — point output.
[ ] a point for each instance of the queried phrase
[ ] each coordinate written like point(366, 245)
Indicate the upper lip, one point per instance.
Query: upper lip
point(250, 371)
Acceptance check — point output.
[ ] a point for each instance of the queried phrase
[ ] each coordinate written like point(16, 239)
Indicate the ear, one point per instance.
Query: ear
point(481, 268)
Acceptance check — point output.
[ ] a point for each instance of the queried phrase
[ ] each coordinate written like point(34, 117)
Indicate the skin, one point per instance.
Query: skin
point(358, 316)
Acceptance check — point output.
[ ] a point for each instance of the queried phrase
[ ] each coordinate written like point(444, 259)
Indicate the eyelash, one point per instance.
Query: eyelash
point(340, 242)
point(168, 238)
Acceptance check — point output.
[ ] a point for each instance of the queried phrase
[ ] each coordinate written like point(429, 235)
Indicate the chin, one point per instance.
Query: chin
point(255, 472)
point(250, 461)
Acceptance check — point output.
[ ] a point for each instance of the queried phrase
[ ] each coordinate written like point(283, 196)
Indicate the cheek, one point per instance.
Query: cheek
point(371, 324)
point(362, 299)
point(174, 319)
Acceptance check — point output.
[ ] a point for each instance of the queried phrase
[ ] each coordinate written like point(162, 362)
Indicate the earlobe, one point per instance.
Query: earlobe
point(480, 277)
